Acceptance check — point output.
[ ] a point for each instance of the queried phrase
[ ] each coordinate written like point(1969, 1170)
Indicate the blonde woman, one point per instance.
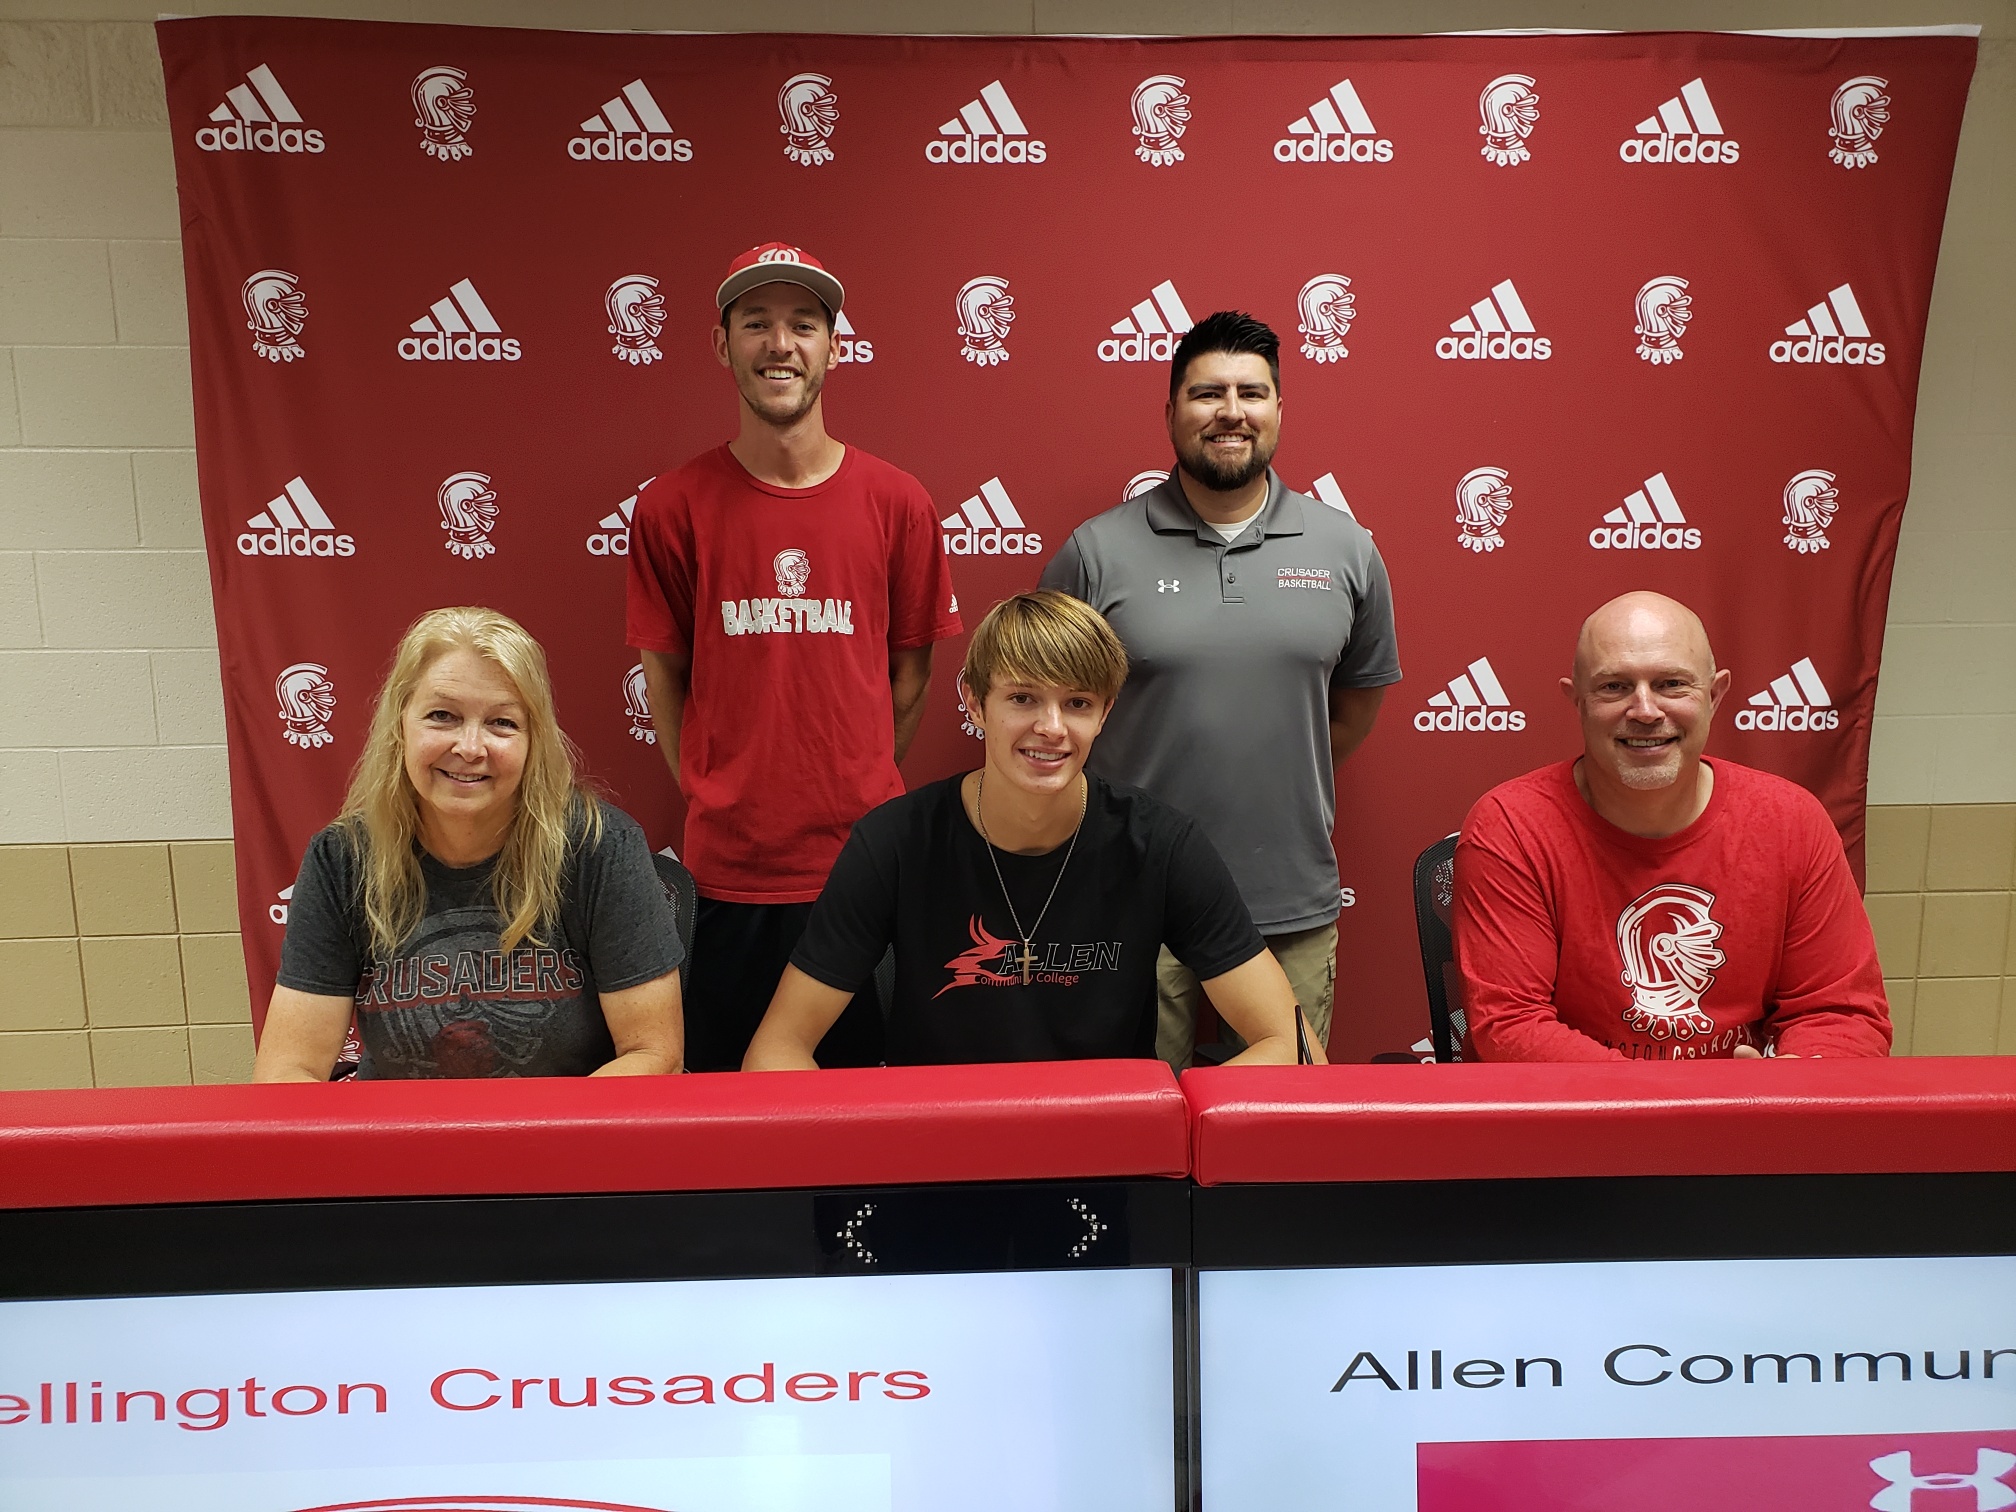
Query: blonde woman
point(474, 906)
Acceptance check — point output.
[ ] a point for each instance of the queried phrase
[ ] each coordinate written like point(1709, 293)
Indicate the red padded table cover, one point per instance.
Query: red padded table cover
point(1069, 1119)
point(1696, 1118)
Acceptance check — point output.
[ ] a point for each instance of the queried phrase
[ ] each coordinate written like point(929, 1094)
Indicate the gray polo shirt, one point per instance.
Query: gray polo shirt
point(1232, 652)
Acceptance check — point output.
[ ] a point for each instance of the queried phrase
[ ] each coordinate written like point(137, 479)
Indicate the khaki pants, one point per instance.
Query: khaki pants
point(1308, 956)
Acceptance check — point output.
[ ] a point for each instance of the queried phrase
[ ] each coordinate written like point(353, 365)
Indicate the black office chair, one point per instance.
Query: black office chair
point(680, 888)
point(1434, 890)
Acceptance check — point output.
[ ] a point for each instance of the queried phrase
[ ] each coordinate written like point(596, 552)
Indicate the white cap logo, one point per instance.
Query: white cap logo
point(1327, 307)
point(1510, 110)
point(986, 310)
point(810, 110)
point(1483, 499)
point(636, 316)
point(307, 703)
point(637, 704)
point(1161, 114)
point(1857, 117)
point(1810, 502)
point(794, 569)
point(275, 311)
point(468, 514)
point(1667, 943)
point(1664, 308)
point(443, 108)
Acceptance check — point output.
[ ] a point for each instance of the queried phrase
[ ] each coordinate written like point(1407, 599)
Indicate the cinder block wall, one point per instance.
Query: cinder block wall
point(119, 958)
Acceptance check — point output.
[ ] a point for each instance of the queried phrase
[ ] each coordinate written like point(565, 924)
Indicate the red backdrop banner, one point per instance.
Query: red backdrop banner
point(1561, 316)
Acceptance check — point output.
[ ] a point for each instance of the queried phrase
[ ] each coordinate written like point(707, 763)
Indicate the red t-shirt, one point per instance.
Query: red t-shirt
point(788, 602)
point(1577, 941)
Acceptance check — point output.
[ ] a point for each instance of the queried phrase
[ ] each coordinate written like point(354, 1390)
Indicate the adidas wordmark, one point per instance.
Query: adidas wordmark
point(1336, 129)
point(989, 524)
point(257, 116)
point(1685, 129)
point(629, 128)
point(1151, 330)
point(1833, 330)
point(1649, 519)
point(1474, 700)
point(294, 523)
point(1497, 327)
point(1797, 701)
point(458, 328)
point(988, 129)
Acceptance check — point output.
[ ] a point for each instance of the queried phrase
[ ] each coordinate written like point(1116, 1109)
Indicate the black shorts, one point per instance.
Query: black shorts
point(737, 954)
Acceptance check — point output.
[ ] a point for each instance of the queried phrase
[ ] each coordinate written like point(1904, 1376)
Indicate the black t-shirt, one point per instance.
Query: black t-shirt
point(450, 1001)
point(915, 874)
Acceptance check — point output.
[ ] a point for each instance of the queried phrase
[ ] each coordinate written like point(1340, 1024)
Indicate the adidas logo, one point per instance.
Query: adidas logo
point(989, 524)
point(1496, 327)
point(987, 130)
point(459, 328)
point(1337, 129)
point(1833, 331)
point(629, 129)
point(1684, 130)
point(257, 116)
point(294, 523)
point(1473, 701)
point(1796, 701)
point(1325, 490)
point(611, 536)
point(1650, 519)
point(848, 347)
point(277, 912)
point(1151, 330)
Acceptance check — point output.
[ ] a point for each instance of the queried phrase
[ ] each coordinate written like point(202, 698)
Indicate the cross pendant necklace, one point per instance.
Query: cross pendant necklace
point(1028, 936)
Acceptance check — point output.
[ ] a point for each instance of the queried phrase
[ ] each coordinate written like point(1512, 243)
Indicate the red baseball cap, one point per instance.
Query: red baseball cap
point(778, 262)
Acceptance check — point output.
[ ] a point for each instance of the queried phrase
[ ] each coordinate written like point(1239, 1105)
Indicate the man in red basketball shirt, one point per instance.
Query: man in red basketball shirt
point(785, 591)
point(1641, 903)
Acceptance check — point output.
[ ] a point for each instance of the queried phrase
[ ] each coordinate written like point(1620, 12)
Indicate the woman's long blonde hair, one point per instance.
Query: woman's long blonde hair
point(382, 812)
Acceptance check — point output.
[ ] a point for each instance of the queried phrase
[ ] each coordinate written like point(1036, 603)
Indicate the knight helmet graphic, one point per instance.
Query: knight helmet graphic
point(468, 514)
point(1811, 500)
point(1161, 114)
point(1666, 940)
point(1327, 307)
point(444, 106)
point(637, 704)
point(809, 110)
point(1510, 110)
point(1664, 308)
point(636, 316)
point(1483, 499)
point(1858, 115)
point(793, 568)
point(986, 310)
point(275, 311)
point(307, 703)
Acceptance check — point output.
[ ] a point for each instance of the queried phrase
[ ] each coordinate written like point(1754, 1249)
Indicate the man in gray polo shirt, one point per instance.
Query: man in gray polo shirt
point(1259, 629)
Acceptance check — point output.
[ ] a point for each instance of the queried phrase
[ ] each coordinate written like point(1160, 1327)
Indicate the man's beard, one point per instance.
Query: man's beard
point(1645, 779)
point(760, 399)
point(1220, 476)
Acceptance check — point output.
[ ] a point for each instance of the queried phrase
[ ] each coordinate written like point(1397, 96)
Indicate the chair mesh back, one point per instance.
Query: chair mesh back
point(684, 894)
point(1434, 893)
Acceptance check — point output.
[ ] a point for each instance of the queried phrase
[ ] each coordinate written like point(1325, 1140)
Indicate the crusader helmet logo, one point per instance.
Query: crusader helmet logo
point(1664, 308)
point(1858, 114)
point(636, 316)
point(1510, 110)
point(444, 106)
point(637, 704)
point(793, 568)
point(1483, 499)
point(275, 311)
point(307, 703)
point(1666, 940)
point(986, 310)
point(1327, 307)
point(468, 514)
point(1161, 115)
point(1142, 482)
point(809, 110)
point(1811, 500)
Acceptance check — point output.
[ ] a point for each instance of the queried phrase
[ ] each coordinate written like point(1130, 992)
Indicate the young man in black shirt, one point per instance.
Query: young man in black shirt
point(1027, 901)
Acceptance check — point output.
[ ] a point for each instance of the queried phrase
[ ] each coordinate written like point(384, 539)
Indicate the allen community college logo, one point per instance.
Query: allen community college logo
point(307, 703)
point(1337, 129)
point(1798, 700)
point(1327, 492)
point(444, 106)
point(1810, 503)
point(1475, 700)
point(1649, 519)
point(1666, 941)
point(986, 130)
point(636, 316)
point(1327, 307)
point(1833, 331)
point(847, 346)
point(294, 523)
point(611, 537)
point(257, 116)
point(1497, 328)
point(1151, 330)
point(1856, 117)
point(1685, 129)
point(459, 328)
point(1510, 110)
point(1664, 308)
point(629, 129)
point(809, 110)
point(275, 312)
point(468, 513)
point(986, 310)
point(637, 704)
point(1483, 499)
point(989, 524)
point(1161, 116)
point(1144, 482)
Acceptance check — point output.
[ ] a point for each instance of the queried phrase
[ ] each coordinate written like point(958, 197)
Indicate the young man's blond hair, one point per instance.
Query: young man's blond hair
point(1047, 638)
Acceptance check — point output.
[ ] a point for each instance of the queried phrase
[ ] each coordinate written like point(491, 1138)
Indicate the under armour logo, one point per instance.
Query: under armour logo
point(1990, 1490)
point(1168, 585)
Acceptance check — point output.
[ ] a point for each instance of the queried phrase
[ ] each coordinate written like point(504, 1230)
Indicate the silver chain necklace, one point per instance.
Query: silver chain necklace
point(1028, 936)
